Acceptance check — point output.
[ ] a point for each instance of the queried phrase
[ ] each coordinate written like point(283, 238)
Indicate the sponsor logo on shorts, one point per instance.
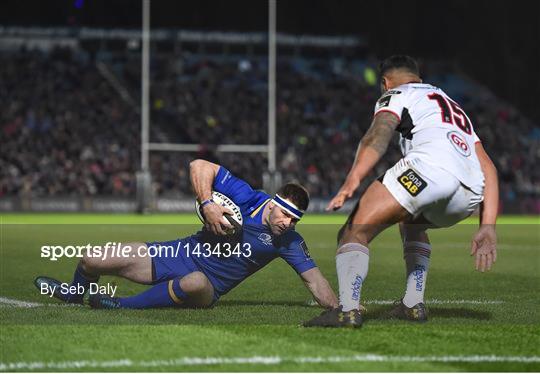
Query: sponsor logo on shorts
point(459, 143)
point(412, 182)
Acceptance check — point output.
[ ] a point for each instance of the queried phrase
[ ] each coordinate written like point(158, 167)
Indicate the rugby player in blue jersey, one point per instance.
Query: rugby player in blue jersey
point(195, 279)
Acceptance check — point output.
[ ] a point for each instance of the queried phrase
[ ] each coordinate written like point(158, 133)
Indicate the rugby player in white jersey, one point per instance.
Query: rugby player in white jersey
point(444, 175)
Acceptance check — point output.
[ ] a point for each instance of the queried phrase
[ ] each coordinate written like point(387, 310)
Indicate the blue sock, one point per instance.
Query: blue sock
point(81, 280)
point(163, 294)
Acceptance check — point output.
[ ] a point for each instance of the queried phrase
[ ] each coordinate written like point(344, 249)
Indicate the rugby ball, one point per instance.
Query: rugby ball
point(235, 219)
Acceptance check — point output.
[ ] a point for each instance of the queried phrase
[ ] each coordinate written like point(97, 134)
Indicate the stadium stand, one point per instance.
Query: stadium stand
point(67, 132)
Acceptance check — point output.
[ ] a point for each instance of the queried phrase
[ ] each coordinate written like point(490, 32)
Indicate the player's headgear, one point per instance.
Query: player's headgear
point(399, 62)
point(293, 198)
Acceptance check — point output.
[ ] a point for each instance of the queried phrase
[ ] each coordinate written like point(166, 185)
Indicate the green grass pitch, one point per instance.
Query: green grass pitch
point(478, 322)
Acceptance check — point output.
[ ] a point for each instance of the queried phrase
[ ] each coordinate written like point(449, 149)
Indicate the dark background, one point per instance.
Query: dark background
point(495, 42)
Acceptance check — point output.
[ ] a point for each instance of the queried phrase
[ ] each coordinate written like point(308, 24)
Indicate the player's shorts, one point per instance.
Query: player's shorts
point(170, 261)
point(426, 189)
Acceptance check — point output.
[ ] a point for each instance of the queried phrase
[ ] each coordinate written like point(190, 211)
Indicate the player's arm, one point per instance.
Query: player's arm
point(319, 288)
point(370, 150)
point(202, 174)
point(484, 243)
point(490, 206)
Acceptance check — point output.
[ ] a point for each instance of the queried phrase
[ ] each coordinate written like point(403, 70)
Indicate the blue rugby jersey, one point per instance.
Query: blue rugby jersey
point(227, 272)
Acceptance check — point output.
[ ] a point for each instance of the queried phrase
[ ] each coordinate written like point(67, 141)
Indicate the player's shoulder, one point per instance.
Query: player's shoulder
point(394, 93)
point(290, 239)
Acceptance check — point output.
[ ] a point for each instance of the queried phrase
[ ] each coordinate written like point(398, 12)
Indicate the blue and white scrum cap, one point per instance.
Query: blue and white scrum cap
point(291, 208)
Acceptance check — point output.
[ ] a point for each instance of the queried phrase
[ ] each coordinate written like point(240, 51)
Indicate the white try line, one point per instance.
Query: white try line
point(258, 360)
point(428, 302)
point(438, 302)
point(14, 303)
point(6, 301)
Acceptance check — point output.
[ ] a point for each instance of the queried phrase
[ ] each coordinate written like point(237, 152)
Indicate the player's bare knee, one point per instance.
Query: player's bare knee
point(195, 283)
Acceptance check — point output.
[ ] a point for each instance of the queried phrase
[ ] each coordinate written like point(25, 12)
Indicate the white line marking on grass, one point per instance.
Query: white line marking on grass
point(18, 303)
point(6, 301)
point(437, 301)
point(263, 360)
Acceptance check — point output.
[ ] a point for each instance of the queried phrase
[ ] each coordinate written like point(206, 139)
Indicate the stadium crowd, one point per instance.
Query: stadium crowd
point(66, 131)
point(63, 130)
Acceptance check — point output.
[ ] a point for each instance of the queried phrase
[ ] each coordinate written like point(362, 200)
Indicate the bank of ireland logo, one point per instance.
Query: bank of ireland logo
point(459, 143)
point(265, 238)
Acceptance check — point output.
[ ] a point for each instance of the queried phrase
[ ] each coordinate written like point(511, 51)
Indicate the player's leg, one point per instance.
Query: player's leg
point(446, 210)
point(193, 290)
point(416, 253)
point(376, 210)
point(135, 264)
point(176, 279)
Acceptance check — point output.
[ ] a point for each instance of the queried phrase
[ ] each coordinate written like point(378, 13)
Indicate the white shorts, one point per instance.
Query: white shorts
point(425, 189)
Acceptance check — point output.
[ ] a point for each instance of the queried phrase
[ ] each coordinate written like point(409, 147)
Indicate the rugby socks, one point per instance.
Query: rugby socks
point(164, 294)
point(416, 255)
point(81, 281)
point(352, 262)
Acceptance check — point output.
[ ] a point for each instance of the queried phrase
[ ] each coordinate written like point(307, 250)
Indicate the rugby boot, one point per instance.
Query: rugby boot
point(336, 318)
point(100, 301)
point(55, 286)
point(415, 314)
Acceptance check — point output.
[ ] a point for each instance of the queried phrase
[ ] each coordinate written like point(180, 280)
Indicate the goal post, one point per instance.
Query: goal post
point(271, 177)
point(143, 177)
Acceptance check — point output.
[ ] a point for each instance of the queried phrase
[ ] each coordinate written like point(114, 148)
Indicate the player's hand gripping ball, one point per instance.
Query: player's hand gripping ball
point(235, 219)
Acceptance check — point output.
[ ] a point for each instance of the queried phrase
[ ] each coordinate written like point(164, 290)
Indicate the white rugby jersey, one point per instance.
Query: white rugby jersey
point(435, 129)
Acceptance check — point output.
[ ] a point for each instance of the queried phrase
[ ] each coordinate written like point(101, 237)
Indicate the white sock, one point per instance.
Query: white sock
point(416, 255)
point(352, 267)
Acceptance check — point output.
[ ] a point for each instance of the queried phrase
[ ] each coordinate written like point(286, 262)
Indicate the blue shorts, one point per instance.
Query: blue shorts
point(167, 265)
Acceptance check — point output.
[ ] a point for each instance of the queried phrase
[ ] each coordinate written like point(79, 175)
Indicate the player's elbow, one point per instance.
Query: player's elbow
point(199, 164)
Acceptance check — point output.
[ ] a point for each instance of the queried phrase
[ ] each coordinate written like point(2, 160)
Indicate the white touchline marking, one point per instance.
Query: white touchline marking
point(263, 360)
point(18, 303)
point(6, 301)
point(437, 301)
